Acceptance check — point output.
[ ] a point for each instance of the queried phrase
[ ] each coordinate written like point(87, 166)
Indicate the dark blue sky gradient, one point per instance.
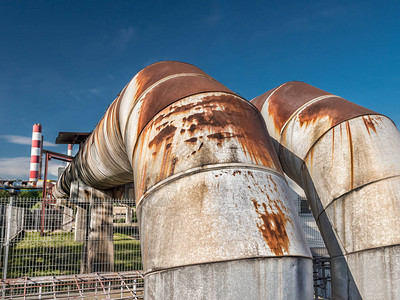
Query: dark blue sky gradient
point(63, 62)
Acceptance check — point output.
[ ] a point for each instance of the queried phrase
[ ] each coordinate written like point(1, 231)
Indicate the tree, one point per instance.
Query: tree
point(4, 193)
point(30, 194)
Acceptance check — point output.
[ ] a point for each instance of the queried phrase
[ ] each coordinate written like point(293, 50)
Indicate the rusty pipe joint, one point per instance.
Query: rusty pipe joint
point(215, 219)
point(346, 158)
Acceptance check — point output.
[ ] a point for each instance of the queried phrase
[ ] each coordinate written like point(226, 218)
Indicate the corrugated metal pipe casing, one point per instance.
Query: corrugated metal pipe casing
point(346, 158)
point(215, 221)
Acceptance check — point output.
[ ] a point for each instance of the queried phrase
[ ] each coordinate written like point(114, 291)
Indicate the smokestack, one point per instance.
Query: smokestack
point(70, 149)
point(36, 152)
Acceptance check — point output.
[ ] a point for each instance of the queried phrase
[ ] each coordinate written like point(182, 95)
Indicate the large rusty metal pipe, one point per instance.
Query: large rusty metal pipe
point(346, 158)
point(215, 220)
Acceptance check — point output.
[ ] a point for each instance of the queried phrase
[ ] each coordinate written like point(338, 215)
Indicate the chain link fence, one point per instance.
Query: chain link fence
point(78, 236)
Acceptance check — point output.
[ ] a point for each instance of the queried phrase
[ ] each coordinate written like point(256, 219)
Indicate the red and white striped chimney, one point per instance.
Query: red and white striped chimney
point(70, 149)
point(36, 152)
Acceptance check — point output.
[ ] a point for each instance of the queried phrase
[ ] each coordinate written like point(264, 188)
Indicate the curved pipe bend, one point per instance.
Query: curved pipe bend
point(346, 158)
point(219, 207)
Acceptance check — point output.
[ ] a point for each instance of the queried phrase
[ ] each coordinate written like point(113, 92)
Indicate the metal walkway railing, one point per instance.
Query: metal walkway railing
point(115, 285)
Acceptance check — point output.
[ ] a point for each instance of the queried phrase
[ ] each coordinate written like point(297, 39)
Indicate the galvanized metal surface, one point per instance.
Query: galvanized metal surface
point(205, 129)
point(208, 184)
point(210, 191)
point(282, 278)
point(346, 159)
point(225, 213)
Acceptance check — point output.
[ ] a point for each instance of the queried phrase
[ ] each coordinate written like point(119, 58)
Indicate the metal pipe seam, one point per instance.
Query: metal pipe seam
point(365, 250)
point(225, 261)
point(357, 188)
point(361, 185)
point(324, 146)
point(301, 108)
point(245, 285)
point(205, 168)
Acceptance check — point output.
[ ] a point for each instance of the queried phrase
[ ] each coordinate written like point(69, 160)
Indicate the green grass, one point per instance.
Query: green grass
point(58, 254)
point(126, 253)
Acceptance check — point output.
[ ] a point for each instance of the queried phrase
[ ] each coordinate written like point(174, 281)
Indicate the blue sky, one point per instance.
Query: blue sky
point(63, 62)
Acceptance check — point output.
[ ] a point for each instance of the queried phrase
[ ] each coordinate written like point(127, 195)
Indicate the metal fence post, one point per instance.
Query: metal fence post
point(7, 239)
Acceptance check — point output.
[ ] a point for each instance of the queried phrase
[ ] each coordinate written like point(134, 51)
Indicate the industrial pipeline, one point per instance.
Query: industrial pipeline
point(212, 201)
point(346, 158)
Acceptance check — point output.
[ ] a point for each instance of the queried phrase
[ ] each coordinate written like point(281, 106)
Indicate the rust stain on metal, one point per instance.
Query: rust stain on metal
point(192, 128)
point(166, 133)
point(260, 100)
point(142, 182)
point(160, 144)
point(223, 120)
point(191, 140)
point(351, 154)
point(229, 117)
point(288, 98)
point(369, 123)
point(167, 92)
point(174, 161)
point(155, 72)
point(159, 119)
point(335, 108)
point(221, 135)
point(272, 226)
point(194, 152)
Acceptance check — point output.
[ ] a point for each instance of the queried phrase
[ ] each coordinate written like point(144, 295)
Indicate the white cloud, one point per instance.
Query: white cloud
point(15, 168)
point(18, 168)
point(49, 144)
point(53, 170)
point(24, 140)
